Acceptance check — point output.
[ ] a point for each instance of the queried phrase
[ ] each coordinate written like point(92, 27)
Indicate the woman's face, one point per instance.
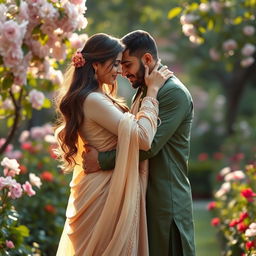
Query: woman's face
point(107, 72)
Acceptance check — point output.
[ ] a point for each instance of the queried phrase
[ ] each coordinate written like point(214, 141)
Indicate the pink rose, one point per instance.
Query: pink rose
point(9, 244)
point(28, 189)
point(204, 7)
point(35, 180)
point(7, 182)
point(236, 175)
point(16, 154)
point(24, 136)
point(229, 45)
point(188, 19)
point(11, 164)
point(248, 49)
point(249, 30)
point(15, 191)
point(214, 54)
point(188, 29)
point(247, 62)
point(36, 98)
point(216, 6)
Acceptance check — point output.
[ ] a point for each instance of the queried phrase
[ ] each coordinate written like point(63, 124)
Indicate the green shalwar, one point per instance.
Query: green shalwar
point(169, 201)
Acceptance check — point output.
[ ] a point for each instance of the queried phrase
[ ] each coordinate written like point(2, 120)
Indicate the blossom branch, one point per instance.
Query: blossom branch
point(17, 106)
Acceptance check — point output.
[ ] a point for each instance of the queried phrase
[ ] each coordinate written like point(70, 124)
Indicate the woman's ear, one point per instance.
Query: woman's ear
point(95, 66)
point(147, 59)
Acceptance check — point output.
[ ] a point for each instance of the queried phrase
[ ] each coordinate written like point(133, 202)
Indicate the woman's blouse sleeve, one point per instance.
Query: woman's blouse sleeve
point(101, 110)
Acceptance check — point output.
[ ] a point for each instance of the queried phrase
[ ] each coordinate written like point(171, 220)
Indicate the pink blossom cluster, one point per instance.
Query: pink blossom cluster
point(44, 132)
point(32, 35)
point(15, 189)
point(243, 46)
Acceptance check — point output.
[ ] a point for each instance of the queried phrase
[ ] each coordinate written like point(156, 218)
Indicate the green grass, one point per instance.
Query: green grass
point(205, 234)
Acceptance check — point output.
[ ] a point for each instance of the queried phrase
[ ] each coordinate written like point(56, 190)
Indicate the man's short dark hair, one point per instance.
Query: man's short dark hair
point(139, 42)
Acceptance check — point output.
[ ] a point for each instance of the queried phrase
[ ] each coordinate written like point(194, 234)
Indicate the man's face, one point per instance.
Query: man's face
point(133, 69)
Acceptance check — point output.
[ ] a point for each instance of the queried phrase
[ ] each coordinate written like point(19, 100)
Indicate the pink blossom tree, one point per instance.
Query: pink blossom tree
point(36, 37)
point(226, 29)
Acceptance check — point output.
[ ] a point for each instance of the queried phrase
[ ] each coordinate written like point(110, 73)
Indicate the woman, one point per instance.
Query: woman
point(106, 210)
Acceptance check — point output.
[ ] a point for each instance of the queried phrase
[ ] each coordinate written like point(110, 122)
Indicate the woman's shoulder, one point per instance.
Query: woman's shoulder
point(96, 98)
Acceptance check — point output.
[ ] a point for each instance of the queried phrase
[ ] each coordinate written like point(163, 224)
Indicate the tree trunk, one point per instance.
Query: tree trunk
point(235, 87)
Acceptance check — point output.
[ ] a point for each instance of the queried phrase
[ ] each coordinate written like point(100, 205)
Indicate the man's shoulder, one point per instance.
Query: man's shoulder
point(173, 86)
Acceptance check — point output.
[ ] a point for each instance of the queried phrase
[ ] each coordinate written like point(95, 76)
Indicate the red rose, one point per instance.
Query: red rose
point(202, 156)
point(215, 222)
point(249, 245)
point(243, 215)
point(233, 223)
point(241, 227)
point(50, 208)
point(28, 146)
point(46, 176)
point(23, 169)
point(40, 165)
point(51, 151)
point(211, 205)
point(248, 194)
point(218, 156)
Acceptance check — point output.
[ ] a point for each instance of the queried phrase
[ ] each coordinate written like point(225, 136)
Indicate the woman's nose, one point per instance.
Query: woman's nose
point(119, 69)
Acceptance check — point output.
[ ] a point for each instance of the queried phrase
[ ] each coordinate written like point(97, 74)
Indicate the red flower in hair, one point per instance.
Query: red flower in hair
point(78, 60)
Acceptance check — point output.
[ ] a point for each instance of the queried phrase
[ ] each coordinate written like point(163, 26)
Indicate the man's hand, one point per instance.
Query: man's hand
point(90, 160)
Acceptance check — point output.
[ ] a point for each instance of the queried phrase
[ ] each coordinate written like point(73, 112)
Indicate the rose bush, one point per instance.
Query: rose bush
point(13, 233)
point(36, 37)
point(234, 210)
point(45, 213)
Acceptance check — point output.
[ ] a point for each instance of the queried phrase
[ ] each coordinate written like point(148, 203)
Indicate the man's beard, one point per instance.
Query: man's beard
point(139, 77)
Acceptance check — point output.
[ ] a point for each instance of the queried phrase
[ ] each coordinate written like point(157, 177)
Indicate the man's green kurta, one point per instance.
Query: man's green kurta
point(169, 200)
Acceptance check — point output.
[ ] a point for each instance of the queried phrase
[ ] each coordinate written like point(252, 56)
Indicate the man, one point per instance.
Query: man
point(169, 203)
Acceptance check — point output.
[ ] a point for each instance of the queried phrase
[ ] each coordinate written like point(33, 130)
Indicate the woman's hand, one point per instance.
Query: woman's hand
point(156, 79)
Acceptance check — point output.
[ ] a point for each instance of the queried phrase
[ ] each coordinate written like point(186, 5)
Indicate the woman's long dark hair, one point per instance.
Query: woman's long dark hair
point(98, 48)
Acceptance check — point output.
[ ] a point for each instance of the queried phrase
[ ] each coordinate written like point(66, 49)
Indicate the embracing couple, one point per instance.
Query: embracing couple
point(129, 194)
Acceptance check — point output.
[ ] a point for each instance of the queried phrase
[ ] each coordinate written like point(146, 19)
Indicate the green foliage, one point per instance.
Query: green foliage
point(11, 228)
point(200, 176)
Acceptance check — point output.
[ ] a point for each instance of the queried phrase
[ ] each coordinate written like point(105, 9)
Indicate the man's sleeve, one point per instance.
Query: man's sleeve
point(174, 106)
point(107, 159)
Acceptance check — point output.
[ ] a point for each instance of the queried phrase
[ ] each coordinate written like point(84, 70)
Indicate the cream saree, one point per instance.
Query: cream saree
point(106, 210)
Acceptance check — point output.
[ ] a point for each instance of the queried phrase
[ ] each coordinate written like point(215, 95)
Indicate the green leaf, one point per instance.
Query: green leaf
point(10, 122)
point(174, 12)
point(47, 103)
point(25, 49)
point(23, 230)
point(210, 24)
point(202, 29)
point(7, 82)
point(238, 20)
point(193, 7)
